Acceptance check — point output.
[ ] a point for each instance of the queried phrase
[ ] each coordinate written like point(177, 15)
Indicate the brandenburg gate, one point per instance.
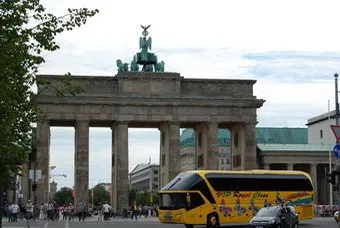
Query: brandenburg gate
point(147, 98)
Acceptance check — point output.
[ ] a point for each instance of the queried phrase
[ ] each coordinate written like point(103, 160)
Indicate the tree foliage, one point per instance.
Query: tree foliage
point(26, 30)
point(100, 195)
point(63, 196)
point(143, 197)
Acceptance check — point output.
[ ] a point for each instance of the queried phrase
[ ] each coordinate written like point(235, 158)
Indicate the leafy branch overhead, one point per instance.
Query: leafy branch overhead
point(26, 31)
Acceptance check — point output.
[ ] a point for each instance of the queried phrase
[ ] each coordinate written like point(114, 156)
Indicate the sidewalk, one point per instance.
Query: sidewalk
point(95, 218)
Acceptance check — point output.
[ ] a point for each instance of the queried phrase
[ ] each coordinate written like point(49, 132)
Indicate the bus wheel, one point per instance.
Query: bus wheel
point(189, 226)
point(212, 221)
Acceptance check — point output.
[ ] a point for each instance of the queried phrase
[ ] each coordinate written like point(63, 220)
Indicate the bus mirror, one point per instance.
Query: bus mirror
point(188, 198)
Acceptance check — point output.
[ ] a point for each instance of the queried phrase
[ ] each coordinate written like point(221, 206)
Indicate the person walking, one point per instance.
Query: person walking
point(100, 211)
point(70, 212)
point(15, 211)
point(134, 210)
point(81, 211)
point(29, 211)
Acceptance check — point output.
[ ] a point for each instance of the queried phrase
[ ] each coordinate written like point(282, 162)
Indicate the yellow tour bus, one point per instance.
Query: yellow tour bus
point(214, 197)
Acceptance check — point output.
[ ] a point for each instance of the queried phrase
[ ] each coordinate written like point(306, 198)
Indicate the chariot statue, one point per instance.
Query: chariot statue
point(145, 58)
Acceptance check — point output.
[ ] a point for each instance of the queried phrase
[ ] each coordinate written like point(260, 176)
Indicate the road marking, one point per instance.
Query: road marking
point(46, 224)
point(67, 225)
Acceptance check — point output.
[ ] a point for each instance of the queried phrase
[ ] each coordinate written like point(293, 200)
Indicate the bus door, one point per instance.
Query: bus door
point(197, 208)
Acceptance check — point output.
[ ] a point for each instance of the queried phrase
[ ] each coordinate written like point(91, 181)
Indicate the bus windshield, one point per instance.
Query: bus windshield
point(172, 201)
point(184, 181)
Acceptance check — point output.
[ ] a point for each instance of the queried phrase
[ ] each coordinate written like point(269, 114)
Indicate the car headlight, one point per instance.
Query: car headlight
point(271, 221)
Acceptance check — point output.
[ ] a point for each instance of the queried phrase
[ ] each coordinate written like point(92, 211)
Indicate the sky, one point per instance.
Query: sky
point(290, 47)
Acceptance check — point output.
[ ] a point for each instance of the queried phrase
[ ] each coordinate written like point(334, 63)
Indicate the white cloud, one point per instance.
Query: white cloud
point(290, 47)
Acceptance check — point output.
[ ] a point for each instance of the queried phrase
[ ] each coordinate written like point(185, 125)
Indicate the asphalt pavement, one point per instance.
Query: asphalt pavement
point(139, 223)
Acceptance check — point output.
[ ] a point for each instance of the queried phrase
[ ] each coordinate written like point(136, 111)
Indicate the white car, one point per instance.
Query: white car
point(336, 216)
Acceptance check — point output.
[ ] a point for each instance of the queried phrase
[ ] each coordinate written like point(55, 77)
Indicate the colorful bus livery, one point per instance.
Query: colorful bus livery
point(208, 197)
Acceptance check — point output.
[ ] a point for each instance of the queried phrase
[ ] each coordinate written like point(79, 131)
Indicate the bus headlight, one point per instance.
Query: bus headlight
point(179, 215)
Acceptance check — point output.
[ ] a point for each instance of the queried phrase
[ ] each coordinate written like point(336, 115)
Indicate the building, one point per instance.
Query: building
point(277, 149)
point(145, 177)
point(264, 135)
point(53, 189)
point(319, 130)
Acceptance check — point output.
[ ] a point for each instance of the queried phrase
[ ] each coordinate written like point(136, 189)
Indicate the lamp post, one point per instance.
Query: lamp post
point(337, 124)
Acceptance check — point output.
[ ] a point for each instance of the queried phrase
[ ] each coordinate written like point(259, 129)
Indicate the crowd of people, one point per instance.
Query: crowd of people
point(53, 212)
point(46, 211)
point(140, 210)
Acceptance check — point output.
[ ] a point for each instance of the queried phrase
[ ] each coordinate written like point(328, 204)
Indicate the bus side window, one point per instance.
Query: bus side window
point(195, 200)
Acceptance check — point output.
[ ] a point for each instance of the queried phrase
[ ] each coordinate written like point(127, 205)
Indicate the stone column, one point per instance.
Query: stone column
point(249, 158)
point(81, 166)
point(42, 161)
point(170, 160)
point(212, 155)
point(237, 147)
point(25, 183)
point(290, 166)
point(266, 166)
point(314, 176)
point(120, 167)
point(174, 150)
point(201, 146)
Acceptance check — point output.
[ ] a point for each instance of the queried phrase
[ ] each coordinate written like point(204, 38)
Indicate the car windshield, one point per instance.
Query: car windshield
point(268, 212)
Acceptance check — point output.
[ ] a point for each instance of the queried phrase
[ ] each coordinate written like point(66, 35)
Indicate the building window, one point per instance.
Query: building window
point(321, 134)
point(200, 160)
point(155, 179)
point(225, 161)
point(199, 139)
point(236, 160)
point(236, 140)
point(163, 159)
point(163, 138)
point(155, 171)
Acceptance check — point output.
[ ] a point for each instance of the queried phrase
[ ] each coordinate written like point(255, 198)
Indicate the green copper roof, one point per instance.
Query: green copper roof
point(293, 147)
point(282, 135)
point(269, 135)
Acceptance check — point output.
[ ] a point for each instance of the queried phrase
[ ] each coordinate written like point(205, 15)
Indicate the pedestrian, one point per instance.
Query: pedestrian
point(134, 210)
point(100, 211)
point(125, 212)
point(50, 210)
point(29, 210)
point(81, 211)
point(15, 211)
point(70, 212)
point(106, 211)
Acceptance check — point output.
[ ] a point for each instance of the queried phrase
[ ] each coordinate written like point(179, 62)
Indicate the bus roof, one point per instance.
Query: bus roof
point(255, 171)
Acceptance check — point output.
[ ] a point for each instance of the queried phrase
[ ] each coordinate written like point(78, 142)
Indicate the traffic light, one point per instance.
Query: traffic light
point(332, 177)
point(34, 187)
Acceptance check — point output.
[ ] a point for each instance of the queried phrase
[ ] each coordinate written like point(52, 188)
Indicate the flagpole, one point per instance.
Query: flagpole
point(330, 156)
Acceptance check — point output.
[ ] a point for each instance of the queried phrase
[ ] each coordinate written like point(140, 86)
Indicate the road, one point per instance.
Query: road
point(140, 223)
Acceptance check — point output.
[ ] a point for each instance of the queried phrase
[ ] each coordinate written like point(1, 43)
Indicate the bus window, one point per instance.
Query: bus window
point(172, 201)
point(265, 182)
point(195, 200)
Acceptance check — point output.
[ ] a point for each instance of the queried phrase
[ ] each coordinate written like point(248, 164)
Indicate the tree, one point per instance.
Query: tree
point(63, 196)
point(132, 195)
point(100, 195)
point(143, 197)
point(26, 31)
